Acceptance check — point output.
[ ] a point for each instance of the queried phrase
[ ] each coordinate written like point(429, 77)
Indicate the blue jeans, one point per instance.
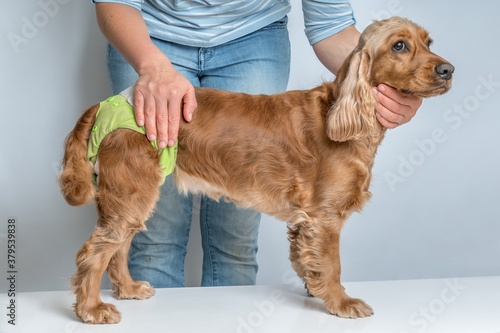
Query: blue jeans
point(256, 63)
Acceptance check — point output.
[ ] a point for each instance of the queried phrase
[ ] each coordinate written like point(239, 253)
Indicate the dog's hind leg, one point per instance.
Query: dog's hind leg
point(92, 259)
point(124, 286)
point(129, 175)
point(107, 248)
point(315, 248)
point(129, 178)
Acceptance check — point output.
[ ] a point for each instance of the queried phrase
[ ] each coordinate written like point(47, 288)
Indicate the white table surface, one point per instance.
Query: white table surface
point(469, 305)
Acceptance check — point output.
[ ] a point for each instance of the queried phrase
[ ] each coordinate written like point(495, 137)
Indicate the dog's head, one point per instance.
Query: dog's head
point(396, 52)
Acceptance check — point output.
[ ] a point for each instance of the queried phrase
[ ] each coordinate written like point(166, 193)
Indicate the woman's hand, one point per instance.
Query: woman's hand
point(160, 95)
point(395, 108)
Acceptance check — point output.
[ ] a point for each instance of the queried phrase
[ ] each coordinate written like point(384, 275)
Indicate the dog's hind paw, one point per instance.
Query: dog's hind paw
point(136, 290)
point(104, 313)
point(351, 308)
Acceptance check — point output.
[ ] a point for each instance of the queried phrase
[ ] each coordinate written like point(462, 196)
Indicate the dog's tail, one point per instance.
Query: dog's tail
point(76, 177)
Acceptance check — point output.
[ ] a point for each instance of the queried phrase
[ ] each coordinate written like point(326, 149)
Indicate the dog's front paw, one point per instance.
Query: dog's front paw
point(136, 290)
point(351, 308)
point(104, 313)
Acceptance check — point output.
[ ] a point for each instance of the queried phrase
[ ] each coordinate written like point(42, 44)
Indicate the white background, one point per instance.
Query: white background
point(435, 205)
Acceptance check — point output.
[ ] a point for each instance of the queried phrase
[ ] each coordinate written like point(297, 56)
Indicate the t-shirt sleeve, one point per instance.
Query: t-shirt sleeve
point(323, 18)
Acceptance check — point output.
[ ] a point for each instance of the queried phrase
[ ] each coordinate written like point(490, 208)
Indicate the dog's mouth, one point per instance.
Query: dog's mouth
point(438, 89)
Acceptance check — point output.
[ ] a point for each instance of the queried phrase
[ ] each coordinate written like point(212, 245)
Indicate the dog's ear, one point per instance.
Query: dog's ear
point(352, 116)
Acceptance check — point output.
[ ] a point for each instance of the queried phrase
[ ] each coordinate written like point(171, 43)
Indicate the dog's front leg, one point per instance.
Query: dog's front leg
point(316, 259)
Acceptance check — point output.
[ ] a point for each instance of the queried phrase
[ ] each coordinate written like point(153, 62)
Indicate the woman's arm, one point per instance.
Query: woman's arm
point(160, 89)
point(333, 50)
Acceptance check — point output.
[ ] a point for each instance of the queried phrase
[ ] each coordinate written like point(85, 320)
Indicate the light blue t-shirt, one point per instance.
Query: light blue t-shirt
point(207, 23)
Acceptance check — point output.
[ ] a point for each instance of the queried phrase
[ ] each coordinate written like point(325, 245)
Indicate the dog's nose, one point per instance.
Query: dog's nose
point(445, 71)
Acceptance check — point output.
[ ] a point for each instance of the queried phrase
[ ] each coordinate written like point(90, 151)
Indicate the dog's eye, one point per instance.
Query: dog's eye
point(399, 46)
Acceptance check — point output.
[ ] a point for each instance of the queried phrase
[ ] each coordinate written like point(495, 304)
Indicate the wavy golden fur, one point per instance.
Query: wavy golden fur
point(304, 157)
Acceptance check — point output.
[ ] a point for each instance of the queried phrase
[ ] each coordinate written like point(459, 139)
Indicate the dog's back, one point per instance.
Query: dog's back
point(254, 150)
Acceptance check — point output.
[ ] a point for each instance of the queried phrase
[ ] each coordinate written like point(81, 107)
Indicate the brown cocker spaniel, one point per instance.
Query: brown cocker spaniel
point(304, 157)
